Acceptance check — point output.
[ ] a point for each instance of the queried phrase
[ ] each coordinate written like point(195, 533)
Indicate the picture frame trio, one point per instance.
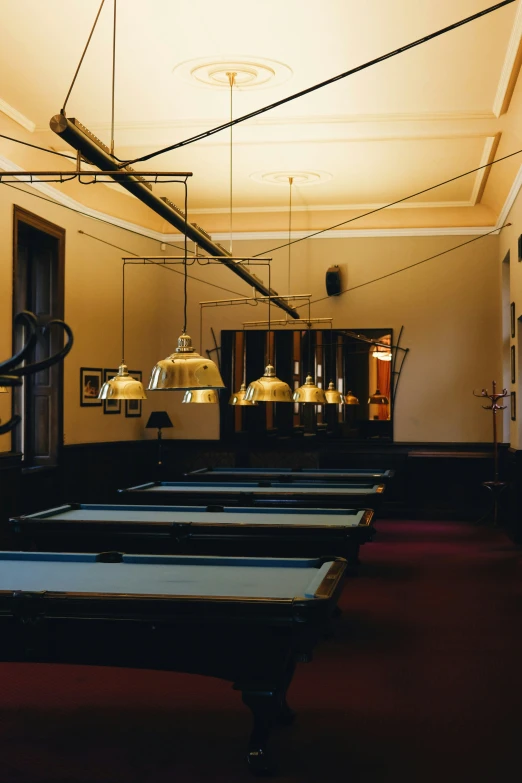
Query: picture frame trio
point(91, 380)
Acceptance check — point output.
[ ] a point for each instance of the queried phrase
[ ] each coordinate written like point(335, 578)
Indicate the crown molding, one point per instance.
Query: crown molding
point(66, 201)
point(60, 198)
point(510, 200)
point(490, 145)
point(510, 67)
point(331, 207)
point(327, 119)
point(355, 232)
point(17, 116)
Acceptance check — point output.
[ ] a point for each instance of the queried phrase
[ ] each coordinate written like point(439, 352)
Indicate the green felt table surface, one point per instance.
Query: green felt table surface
point(309, 517)
point(296, 488)
point(161, 575)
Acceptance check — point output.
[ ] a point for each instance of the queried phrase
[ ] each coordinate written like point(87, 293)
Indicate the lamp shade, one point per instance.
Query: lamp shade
point(378, 398)
point(238, 398)
point(122, 387)
point(351, 399)
point(333, 397)
point(269, 388)
point(309, 392)
point(185, 370)
point(158, 420)
point(382, 353)
point(208, 396)
point(3, 390)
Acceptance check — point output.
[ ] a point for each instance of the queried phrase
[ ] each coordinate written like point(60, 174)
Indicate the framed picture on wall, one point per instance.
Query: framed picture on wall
point(513, 365)
point(111, 406)
point(90, 385)
point(133, 407)
point(513, 406)
point(513, 319)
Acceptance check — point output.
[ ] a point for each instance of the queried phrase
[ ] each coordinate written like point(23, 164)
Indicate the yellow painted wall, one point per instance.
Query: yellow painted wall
point(508, 241)
point(449, 307)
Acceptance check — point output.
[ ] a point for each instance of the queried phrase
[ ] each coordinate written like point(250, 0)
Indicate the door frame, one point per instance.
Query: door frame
point(21, 215)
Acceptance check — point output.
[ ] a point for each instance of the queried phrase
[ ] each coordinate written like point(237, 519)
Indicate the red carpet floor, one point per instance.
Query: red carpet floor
point(421, 683)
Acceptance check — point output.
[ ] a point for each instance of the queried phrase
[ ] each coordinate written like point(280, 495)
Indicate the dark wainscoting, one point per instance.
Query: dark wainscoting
point(512, 500)
point(10, 481)
point(433, 481)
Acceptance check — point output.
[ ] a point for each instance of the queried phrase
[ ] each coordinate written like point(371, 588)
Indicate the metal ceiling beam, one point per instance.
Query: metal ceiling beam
point(95, 152)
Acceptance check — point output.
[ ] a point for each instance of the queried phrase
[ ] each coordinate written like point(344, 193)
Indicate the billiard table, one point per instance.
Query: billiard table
point(244, 620)
point(290, 475)
point(249, 532)
point(300, 494)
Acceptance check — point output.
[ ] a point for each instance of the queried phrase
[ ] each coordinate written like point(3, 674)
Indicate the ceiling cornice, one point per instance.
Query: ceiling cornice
point(61, 198)
point(17, 116)
point(510, 68)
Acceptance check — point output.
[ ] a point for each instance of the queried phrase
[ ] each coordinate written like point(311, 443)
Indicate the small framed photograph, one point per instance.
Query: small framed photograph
point(90, 385)
point(513, 319)
point(513, 365)
point(111, 406)
point(133, 407)
point(520, 248)
point(513, 406)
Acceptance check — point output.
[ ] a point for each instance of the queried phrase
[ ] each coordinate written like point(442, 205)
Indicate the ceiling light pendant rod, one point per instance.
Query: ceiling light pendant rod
point(113, 76)
point(290, 182)
point(231, 80)
point(83, 55)
point(81, 139)
point(185, 249)
point(123, 315)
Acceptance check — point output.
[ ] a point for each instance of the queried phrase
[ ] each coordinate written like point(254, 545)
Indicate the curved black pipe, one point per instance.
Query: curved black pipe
point(29, 369)
point(29, 320)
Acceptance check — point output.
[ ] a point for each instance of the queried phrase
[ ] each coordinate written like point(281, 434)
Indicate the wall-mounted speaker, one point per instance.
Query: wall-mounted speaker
point(333, 281)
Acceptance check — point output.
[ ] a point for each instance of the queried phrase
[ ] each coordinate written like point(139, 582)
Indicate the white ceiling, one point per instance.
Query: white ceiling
point(422, 117)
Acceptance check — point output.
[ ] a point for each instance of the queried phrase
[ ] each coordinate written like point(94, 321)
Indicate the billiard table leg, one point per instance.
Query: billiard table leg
point(266, 707)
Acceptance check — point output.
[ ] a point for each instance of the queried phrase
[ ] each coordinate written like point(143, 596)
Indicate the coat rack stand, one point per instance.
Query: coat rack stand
point(496, 487)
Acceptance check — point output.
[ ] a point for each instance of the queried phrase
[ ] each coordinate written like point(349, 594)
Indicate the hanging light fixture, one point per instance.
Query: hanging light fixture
point(239, 397)
point(378, 399)
point(123, 386)
point(269, 388)
point(333, 396)
point(185, 369)
point(309, 392)
point(3, 390)
point(201, 396)
point(382, 353)
point(351, 399)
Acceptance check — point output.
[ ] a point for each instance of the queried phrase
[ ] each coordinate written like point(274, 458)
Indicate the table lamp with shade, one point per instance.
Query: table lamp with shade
point(159, 420)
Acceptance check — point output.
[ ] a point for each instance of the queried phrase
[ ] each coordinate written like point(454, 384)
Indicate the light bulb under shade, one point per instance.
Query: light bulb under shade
point(268, 388)
point(185, 370)
point(378, 399)
point(383, 356)
point(333, 397)
point(238, 398)
point(205, 396)
point(351, 399)
point(122, 387)
point(309, 392)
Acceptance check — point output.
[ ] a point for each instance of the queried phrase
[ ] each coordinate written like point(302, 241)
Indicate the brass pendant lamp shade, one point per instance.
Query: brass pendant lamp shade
point(378, 399)
point(239, 397)
point(269, 388)
point(122, 387)
point(333, 397)
point(351, 399)
point(309, 392)
point(208, 396)
point(382, 354)
point(185, 370)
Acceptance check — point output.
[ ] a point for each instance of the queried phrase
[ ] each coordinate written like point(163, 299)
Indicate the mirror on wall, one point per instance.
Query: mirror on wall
point(360, 371)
